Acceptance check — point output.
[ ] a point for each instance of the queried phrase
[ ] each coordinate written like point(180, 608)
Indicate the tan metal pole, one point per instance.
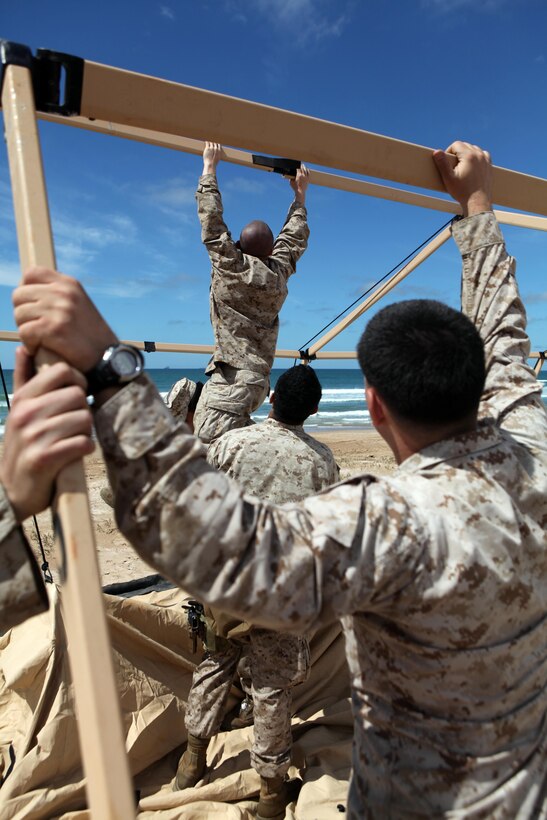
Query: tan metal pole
point(540, 362)
point(168, 347)
point(326, 180)
point(108, 782)
point(381, 291)
point(138, 100)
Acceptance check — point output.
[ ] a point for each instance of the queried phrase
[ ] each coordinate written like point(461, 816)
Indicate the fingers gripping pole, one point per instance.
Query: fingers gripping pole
point(108, 782)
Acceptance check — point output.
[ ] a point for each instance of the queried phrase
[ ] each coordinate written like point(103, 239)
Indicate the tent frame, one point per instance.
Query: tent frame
point(62, 88)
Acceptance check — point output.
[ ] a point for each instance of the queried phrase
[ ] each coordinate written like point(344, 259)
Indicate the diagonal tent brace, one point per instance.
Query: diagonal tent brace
point(108, 782)
point(381, 291)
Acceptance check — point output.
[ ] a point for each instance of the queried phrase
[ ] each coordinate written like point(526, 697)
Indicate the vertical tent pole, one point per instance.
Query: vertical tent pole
point(108, 782)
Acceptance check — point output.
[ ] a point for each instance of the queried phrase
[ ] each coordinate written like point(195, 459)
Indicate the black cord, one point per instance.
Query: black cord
point(396, 267)
point(48, 578)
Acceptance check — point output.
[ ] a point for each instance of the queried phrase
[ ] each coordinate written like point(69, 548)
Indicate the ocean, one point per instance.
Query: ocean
point(342, 406)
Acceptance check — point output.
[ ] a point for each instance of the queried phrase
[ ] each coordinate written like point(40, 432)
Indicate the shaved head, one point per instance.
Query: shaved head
point(257, 239)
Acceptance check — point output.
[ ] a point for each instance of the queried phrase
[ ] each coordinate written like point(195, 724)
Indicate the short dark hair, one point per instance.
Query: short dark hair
point(425, 359)
point(297, 394)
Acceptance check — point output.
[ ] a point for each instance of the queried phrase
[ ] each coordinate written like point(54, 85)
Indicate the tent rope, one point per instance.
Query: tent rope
point(380, 280)
point(48, 578)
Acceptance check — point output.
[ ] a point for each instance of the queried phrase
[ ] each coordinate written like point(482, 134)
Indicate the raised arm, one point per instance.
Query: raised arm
point(293, 238)
point(490, 296)
point(214, 233)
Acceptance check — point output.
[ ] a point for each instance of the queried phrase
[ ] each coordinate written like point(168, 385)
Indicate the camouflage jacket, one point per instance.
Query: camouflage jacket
point(22, 590)
point(437, 571)
point(274, 461)
point(247, 293)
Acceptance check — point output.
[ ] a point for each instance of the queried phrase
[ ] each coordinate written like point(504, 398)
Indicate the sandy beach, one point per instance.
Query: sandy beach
point(356, 451)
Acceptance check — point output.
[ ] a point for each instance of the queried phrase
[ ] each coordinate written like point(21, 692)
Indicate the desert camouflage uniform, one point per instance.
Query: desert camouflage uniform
point(245, 299)
point(275, 462)
point(436, 571)
point(22, 591)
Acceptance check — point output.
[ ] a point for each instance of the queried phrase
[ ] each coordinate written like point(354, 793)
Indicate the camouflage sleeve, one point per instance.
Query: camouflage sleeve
point(293, 239)
point(214, 234)
point(286, 567)
point(214, 454)
point(22, 590)
point(490, 298)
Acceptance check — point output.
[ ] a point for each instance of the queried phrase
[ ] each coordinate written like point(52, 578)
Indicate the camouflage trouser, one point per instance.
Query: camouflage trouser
point(271, 664)
point(227, 401)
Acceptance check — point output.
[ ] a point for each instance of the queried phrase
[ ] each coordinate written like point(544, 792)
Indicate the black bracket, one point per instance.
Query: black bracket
point(307, 356)
point(279, 165)
point(149, 347)
point(57, 78)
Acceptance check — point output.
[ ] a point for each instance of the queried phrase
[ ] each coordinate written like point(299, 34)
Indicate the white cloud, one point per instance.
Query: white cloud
point(242, 185)
point(535, 298)
point(167, 11)
point(142, 284)
point(78, 243)
point(304, 21)
point(10, 274)
point(174, 197)
point(451, 6)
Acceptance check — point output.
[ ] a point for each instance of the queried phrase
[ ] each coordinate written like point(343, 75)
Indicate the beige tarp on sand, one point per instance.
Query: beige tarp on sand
point(154, 664)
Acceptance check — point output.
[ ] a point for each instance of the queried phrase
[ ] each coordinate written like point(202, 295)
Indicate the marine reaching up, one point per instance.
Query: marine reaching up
point(248, 288)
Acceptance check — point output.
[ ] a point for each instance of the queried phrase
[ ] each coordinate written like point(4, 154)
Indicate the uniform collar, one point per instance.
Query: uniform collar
point(483, 438)
point(286, 426)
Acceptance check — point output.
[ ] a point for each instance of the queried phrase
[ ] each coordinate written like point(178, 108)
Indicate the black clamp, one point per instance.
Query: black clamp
point(194, 615)
point(307, 356)
point(279, 165)
point(57, 78)
point(149, 347)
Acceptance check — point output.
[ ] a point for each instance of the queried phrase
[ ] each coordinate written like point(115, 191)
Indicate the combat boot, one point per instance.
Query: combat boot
point(273, 798)
point(192, 763)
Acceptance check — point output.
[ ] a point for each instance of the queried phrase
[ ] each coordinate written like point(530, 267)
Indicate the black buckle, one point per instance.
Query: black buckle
point(57, 78)
point(279, 165)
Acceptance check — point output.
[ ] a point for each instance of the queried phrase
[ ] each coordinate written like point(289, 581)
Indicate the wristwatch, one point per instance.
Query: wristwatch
point(119, 365)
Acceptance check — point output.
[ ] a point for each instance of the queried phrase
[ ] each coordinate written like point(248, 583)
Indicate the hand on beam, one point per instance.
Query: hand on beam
point(212, 154)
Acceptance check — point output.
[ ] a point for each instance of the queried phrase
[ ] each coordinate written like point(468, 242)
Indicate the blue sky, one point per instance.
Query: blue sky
point(426, 71)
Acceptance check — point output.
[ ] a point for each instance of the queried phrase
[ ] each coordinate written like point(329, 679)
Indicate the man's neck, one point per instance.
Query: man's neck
point(405, 441)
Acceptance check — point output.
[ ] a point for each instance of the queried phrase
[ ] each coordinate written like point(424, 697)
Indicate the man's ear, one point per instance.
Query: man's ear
point(375, 407)
point(272, 397)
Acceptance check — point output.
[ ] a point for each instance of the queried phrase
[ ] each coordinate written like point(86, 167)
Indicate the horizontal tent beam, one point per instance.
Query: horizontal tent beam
point(125, 97)
point(321, 178)
point(169, 347)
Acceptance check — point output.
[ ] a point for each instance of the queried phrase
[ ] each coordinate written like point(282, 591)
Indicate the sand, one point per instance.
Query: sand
point(356, 451)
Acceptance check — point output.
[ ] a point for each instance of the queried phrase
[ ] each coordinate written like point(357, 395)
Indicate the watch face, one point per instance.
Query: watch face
point(124, 363)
